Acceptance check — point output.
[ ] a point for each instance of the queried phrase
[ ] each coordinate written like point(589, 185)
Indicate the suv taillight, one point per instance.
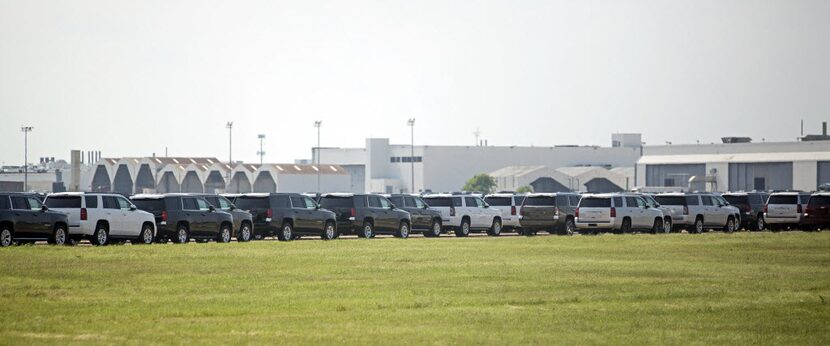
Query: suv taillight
point(513, 210)
point(809, 209)
point(84, 215)
point(766, 208)
point(576, 212)
point(269, 213)
point(164, 216)
point(452, 211)
point(613, 212)
point(685, 210)
point(353, 212)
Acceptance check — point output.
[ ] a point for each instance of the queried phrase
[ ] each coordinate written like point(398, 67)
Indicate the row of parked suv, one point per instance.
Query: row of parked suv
point(101, 218)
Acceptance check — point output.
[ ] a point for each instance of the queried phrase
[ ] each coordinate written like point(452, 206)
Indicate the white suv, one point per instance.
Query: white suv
point(616, 212)
point(785, 209)
point(700, 211)
point(466, 213)
point(510, 206)
point(102, 217)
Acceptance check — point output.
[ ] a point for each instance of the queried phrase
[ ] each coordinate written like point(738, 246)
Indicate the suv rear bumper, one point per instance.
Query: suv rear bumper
point(609, 224)
point(542, 223)
point(783, 220)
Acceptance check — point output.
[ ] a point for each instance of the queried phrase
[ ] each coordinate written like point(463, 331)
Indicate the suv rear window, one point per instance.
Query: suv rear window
point(63, 202)
point(398, 201)
point(783, 199)
point(498, 201)
point(670, 200)
point(594, 202)
point(439, 201)
point(540, 201)
point(336, 202)
point(819, 201)
point(736, 199)
point(248, 203)
point(151, 205)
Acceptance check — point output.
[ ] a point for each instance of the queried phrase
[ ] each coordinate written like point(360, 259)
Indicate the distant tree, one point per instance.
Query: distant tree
point(524, 189)
point(480, 183)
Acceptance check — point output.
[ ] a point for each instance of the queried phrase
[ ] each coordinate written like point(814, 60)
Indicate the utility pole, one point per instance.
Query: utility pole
point(26, 130)
point(317, 124)
point(261, 153)
point(477, 133)
point(411, 124)
point(229, 126)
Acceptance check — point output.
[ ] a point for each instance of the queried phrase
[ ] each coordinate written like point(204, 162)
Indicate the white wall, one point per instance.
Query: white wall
point(308, 182)
point(805, 175)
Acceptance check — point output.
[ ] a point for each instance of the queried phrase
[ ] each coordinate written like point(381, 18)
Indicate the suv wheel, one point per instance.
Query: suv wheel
point(244, 233)
point(760, 224)
point(730, 225)
point(224, 235)
point(570, 227)
point(329, 232)
point(6, 237)
point(698, 225)
point(403, 231)
point(464, 230)
point(658, 225)
point(667, 225)
point(286, 233)
point(435, 229)
point(100, 236)
point(59, 237)
point(146, 236)
point(368, 230)
point(626, 226)
point(495, 229)
point(181, 235)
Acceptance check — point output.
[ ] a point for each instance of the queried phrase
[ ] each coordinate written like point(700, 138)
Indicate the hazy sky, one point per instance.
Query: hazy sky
point(131, 77)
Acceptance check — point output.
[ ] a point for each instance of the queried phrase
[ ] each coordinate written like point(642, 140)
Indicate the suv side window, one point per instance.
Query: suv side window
point(707, 200)
point(189, 203)
point(297, 202)
point(574, 200)
point(618, 202)
point(640, 202)
point(384, 203)
point(456, 201)
point(19, 203)
point(419, 203)
point(309, 203)
point(34, 203)
point(561, 200)
point(91, 201)
point(469, 202)
point(203, 204)
point(374, 201)
point(410, 202)
point(692, 200)
point(109, 202)
point(631, 202)
point(123, 203)
point(281, 202)
point(4, 202)
point(223, 203)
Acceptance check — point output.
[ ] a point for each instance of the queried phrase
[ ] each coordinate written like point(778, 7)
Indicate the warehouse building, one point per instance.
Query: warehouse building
point(564, 179)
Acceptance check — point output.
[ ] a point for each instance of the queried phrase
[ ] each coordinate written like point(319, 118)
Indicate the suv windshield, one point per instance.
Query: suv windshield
point(783, 199)
point(671, 200)
point(248, 203)
point(595, 202)
point(439, 201)
point(329, 202)
point(498, 201)
point(540, 201)
point(150, 205)
point(736, 199)
point(63, 202)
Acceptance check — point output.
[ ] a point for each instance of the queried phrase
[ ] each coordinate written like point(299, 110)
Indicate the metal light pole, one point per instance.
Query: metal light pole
point(317, 124)
point(261, 153)
point(229, 126)
point(26, 130)
point(411, 124)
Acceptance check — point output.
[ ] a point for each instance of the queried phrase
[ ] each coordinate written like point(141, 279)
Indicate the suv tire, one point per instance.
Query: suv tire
point(464, 230)
point(182, 235)
point(286, 232)
point(495, 229)
point(570, 227)
point(730, 225)
point(667, 225)
point(329, 231)
point(626, 226)
point(224, 234)
point(658, 225)
point(403, 231)
point(145, 237)
point(367, 231)
point(245, 233)
point(100, 236)
point(59, 236)
point(6, 237)
point(434, 230)
point(698, 227)
point(760, 223)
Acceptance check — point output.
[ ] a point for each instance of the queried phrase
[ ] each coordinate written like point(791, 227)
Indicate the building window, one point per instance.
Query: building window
point(405, 159)
point(668, 182)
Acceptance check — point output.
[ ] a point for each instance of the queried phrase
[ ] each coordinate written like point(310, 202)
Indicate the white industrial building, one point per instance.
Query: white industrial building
point(385, 167)
point(800, 165)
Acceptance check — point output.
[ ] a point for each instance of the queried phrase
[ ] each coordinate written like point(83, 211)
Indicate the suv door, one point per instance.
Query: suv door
point(129, 218)
point(633, 211)
point(192, 214)
point(208, 221)
point(485, 214)
point(302, 215)
point(375, 211)
point(318, 217)
point(389, 219)
point(41, 220)
point(471, 209)
point(25, 227)
point(112, 214)
point(423, 210)
point(711, 212)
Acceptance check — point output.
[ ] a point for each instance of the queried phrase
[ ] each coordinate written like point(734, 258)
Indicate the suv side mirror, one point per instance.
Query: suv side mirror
point(392, 207)
point(133, 208)
point(212, 208)
point(44, 208)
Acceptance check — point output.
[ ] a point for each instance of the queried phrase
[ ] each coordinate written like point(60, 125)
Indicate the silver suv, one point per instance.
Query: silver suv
point(698, 212)
point(785, 209)
point(617, 212)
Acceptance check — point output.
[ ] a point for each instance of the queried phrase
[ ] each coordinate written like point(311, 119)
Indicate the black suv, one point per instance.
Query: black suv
point(751, 205)
point(243, 222)
point(367, 214)
point(288, 215)
point(182, 217)
point(424, 218)
point(24, 219)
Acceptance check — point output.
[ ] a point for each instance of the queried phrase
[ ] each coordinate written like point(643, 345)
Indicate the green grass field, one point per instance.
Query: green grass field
point(759, 288)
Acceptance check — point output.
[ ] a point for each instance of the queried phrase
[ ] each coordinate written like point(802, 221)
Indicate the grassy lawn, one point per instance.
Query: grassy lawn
point(667, 289)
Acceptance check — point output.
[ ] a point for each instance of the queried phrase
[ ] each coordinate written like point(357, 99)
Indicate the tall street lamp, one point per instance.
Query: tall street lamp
point(26, 130)
point(317, 124)
point(261, 152)
point(411, 124)
point(229, 126)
